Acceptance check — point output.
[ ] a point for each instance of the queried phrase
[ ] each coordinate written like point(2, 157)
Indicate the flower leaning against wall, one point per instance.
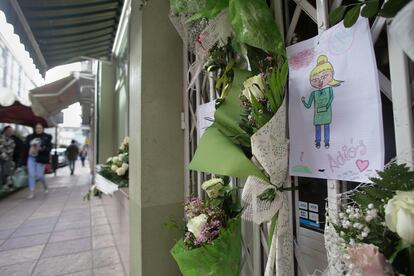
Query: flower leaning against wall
point(116, 168)
point(212, 239)
point(113, 174)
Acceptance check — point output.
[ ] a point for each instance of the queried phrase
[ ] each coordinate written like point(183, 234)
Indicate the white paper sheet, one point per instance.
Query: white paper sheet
point(344, 103)
point(205, 116)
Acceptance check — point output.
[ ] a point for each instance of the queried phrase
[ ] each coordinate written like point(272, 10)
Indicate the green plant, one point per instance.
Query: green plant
point(367, 8)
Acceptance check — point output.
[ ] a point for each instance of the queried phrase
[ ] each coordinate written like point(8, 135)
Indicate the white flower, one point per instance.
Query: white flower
point(399, 215)
point(213, 187)
point(115, 160)
point(121, 157)
point(370, 206)
point(125, 166)
point(109, 160)
point(368, 218)
point(114, 168)
point(121, 171)
point(126, 140)
point(196, 225)
point(254, 86)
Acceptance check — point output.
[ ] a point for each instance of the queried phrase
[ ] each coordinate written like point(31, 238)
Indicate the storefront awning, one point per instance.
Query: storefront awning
point(52, 98)
point(57, 32)
point(14, 110)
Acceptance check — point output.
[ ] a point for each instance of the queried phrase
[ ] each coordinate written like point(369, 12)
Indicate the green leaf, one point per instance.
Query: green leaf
point(211, 9)
point(337, 15)
point(392, 7)
point(254, 25)
point(370, 9)
point(352, 16)
point(217, 154)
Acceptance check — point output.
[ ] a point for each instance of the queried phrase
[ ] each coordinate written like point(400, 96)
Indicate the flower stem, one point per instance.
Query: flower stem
point(411, 260)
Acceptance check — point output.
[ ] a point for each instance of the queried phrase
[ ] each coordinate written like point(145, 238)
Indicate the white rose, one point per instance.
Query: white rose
point(213, 187)
point(399, 215)
point(109, 160)
point(114, 168)
point(115, 159)
point(126, 141)
point(254, 86)
point(121, 157)
point(125, 166)
point(196, 225)
point(120, 171)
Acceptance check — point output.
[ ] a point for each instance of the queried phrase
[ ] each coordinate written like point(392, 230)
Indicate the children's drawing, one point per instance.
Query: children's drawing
point(322, 78)
point(335, 117)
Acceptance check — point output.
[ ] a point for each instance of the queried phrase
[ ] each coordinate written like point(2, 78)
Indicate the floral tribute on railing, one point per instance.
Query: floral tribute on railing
point(239, 44)
point(212, 239)
point(373, 233)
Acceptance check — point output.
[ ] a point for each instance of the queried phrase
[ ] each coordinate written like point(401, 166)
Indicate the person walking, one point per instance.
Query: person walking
point(83, 154)
point(72, 153)
point(39, 145)
point(7, 146)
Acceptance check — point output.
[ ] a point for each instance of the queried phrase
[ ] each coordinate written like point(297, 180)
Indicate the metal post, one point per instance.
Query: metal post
point(401, 102)
point(185, 124)
point(332, 185)
point(55, 160)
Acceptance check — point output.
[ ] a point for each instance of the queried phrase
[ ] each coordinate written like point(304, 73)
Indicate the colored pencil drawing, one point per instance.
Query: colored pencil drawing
point(322, 78)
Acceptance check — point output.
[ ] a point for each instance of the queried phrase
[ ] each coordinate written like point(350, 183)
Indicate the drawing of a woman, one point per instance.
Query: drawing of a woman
point(322, 78)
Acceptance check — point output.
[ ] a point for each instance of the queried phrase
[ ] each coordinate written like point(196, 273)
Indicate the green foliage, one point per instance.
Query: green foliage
point(253, 24)
point(256, 113)
point(106, 172)
point(337, 14)
point(186, 6)
point(373, 198)
point(370, 9)
point(392, 7)
point(211, 9)
point(351, 16)
point(367, 8)
point(394, 178)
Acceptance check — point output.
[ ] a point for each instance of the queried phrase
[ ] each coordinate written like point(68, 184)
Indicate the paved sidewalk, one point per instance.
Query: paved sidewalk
point(57, 233)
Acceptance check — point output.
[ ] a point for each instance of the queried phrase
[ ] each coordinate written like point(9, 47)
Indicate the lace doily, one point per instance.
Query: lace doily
point(270, 149)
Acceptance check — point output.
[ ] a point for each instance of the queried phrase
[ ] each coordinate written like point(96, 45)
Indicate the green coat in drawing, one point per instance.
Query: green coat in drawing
point(322, 105)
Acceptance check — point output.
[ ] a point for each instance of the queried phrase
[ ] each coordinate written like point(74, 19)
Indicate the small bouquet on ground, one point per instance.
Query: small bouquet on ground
point(212, 239)
point(116, 168)
point(375, 228)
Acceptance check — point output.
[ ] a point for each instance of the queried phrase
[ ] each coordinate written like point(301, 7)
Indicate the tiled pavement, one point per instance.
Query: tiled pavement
point(57, 233)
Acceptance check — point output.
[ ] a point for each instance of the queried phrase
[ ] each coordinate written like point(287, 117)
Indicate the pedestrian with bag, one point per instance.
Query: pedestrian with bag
point(39, 145)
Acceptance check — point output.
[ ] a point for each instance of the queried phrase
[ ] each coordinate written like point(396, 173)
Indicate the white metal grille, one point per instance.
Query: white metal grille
point(289, 15)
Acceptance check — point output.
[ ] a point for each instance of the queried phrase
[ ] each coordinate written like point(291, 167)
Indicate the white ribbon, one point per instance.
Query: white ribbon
point(270, 149)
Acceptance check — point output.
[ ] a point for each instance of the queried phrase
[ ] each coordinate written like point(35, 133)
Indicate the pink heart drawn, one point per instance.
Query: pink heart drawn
point(362, 165)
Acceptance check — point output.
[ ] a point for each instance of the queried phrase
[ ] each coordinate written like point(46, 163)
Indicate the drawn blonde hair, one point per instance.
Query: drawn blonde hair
point(324, 65)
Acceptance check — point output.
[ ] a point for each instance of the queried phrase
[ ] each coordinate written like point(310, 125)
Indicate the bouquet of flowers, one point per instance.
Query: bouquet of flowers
point(375, 227)
point(116, 167)
point(212, 240)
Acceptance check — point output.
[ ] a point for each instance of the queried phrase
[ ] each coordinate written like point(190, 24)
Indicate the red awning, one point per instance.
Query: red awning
point(18, 113)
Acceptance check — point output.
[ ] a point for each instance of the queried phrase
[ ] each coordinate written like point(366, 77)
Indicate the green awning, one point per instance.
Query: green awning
point(57, 32)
